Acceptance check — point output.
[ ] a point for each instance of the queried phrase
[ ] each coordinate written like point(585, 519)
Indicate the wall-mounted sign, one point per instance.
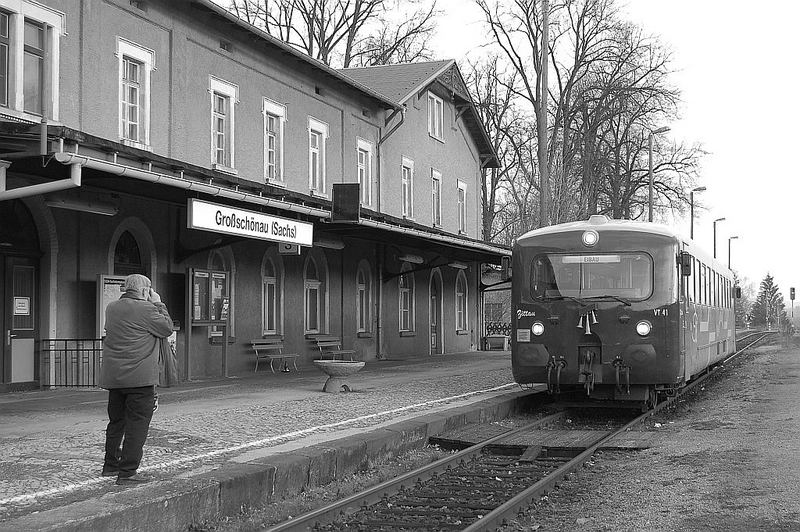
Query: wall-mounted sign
point(109, 288)
point(22, 306)
point(223, 219)
point(284, 248)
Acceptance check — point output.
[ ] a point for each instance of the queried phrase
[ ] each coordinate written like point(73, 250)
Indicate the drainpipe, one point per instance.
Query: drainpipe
point(383, 139)
point(42, 188)
point(379, 302)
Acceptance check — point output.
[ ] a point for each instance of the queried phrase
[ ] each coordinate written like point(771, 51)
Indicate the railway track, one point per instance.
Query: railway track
point(474, 489)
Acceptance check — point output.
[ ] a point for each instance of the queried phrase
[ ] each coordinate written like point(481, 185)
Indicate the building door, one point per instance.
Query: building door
point(436, 314)
point(18, 293)
point(19, 252)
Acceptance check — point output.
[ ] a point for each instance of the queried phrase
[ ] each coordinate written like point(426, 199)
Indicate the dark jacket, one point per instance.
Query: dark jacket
point(134, 328)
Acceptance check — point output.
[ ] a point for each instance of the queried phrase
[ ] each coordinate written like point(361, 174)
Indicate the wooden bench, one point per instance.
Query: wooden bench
point(272, 349)
point(330, 347)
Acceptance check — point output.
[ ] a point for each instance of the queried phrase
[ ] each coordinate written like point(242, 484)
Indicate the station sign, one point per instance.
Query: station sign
point(217, 218)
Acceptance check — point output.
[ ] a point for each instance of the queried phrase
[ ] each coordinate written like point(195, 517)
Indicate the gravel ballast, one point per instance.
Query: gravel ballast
point(725, 458)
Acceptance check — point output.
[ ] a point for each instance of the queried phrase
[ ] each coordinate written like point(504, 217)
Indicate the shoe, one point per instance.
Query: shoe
point(133, 480)
point(109, 472)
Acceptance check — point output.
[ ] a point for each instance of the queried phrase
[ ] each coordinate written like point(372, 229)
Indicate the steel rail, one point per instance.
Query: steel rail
point(373, 495)
point(500, 515)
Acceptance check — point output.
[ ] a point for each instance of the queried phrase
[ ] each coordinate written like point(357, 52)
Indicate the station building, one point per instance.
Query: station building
point(263, 192)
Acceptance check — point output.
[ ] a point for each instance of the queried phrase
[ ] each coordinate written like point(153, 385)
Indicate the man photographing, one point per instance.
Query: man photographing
point(135, 323)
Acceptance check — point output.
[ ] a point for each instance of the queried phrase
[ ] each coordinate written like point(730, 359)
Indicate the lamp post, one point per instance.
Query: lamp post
point(729, 249)
point(715, 235)
point(691, 209)
point(650, 164)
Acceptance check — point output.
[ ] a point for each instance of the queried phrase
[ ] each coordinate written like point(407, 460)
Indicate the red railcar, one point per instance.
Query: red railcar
point(617, 310)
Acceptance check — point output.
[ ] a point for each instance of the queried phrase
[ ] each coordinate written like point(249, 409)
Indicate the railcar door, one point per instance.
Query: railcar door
point(689, 318)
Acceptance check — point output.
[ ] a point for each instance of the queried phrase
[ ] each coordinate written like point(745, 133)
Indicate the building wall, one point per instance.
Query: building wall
point(456, 158)
point(186, 53)
point(185, 43)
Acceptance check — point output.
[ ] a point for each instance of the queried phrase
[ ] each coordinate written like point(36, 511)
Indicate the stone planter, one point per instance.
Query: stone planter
point(337, 370)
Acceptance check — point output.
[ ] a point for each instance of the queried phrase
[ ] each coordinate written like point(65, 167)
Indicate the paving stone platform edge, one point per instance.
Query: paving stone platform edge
point(178, 503)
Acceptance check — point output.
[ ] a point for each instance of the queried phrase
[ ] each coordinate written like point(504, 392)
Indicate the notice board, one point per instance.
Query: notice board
point(109, 288)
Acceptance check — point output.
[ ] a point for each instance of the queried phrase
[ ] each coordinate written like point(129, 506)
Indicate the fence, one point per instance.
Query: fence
point(70, 362)
point(498, 327)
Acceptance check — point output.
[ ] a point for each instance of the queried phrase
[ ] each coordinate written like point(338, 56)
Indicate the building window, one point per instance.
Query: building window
point(224, 96)
point(462, 207)
point(436, 197)
point(33, 67)
point(274, 119)
point(406, 299)
point(220, 132)
point(314, 298)
point(317, 139)
point(127, 257)
point(461, 301)
point(4, 46)
point(407, 188)
point(435, 116)
point(363, 313)
point(132, 98)
point(29, 58)
point(135, 65)
point(364, 168)
point(270, 297)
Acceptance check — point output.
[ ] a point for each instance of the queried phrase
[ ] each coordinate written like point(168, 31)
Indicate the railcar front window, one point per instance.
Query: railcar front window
point(625, 275)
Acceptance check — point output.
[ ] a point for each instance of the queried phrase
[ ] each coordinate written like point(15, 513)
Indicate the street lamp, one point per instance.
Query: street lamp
point(691, 209)
point(650, 163)
point(729, 249)
point(715, 235)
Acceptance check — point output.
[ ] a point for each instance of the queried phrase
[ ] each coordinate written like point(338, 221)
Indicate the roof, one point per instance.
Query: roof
point(402, 81)
point(600, 223)
point(397, 82)
point(265, 38)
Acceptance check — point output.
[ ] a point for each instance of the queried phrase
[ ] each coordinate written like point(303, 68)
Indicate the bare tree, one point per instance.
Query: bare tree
point(610, 87)
point(344, 33)
point(492, 92)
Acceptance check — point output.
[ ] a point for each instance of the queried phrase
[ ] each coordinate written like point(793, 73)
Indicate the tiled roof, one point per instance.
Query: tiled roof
point(396, 82)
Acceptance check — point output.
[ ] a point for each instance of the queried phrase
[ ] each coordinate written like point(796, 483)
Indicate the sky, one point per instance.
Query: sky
point(736, 67)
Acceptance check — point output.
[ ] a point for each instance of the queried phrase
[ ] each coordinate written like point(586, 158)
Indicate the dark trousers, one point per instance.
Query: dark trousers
point(129, 414)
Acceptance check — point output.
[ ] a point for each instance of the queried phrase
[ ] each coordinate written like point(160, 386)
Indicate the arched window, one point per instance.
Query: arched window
point(314, 296)
point(127, 257)
point(271, 297)
point(363, 292)
point(461, 301)
point(406, 299)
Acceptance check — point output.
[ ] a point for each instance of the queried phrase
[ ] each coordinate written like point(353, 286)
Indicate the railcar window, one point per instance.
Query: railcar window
point(715, 288)
point(627, 275)
point(700, 284)
point(703, 286)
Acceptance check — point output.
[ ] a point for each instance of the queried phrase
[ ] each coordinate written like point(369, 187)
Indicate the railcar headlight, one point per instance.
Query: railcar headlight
point(643, 328)
point(537, 328)
point(590, 238)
